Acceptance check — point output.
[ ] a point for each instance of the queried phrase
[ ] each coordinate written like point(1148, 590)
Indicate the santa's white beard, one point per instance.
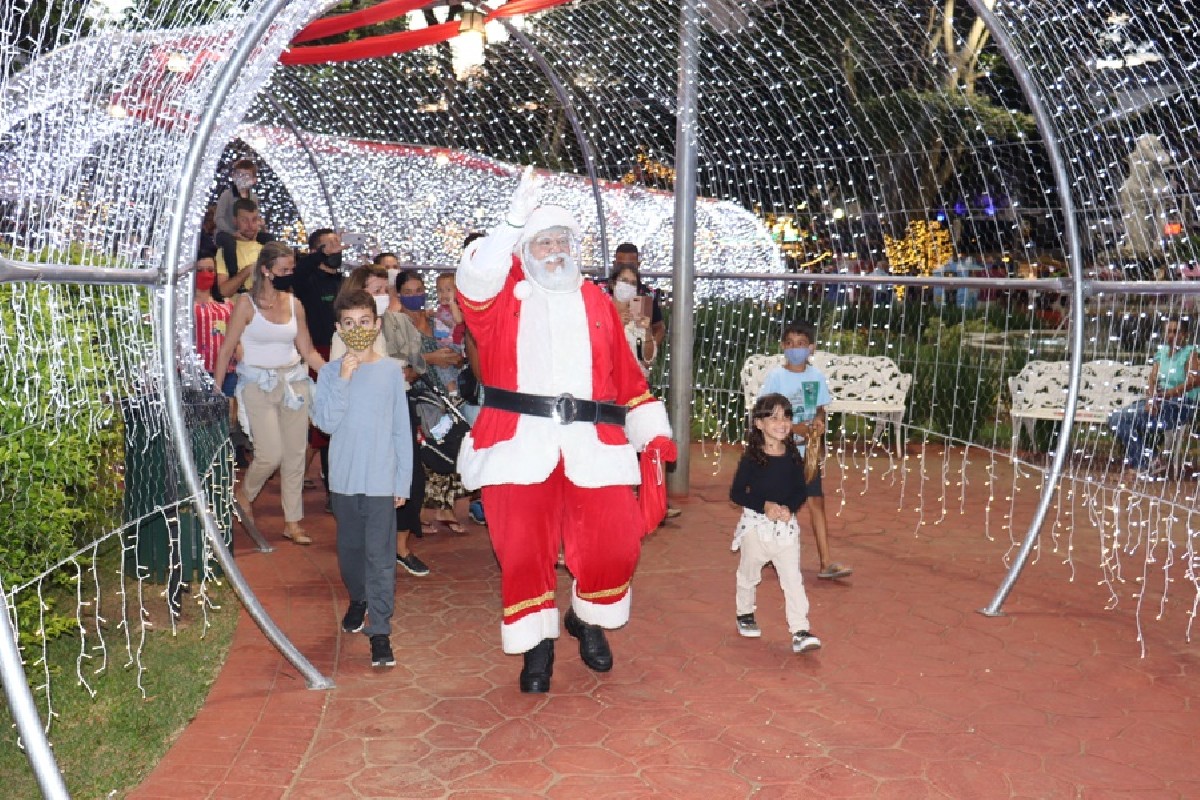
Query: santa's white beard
point(557, 273)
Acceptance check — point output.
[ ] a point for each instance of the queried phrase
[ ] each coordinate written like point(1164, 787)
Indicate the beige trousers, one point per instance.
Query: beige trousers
point(784, 553)
point(280, 438)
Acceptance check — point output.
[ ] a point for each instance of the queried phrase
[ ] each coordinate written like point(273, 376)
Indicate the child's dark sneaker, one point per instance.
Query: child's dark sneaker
point(381, 651)
point(355, 615)
point(412, 564)
point(803, 641)
point(748, 626)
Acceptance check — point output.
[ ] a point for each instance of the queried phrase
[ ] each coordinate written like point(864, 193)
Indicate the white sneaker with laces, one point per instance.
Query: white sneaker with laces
point(747, 626)
point(803, 641)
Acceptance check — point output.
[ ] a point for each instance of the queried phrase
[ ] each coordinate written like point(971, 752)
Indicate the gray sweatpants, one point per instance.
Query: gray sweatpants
point(366, 548)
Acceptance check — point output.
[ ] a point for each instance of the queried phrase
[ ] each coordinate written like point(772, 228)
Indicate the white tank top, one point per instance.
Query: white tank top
point(269, 344)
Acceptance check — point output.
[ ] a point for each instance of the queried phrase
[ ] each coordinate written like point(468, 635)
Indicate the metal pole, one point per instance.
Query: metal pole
point(1002, 284)
point(679, 394)
point(24, 710)
point(1045, 126)
point(13, 271)
point(1093, 288)
point(227, 75)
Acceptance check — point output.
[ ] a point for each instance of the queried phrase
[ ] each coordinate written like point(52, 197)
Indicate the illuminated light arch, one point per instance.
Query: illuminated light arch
point(95, 135)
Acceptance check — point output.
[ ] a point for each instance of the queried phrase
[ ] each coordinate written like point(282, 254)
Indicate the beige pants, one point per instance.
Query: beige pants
point(280, 438)
point(784, 553)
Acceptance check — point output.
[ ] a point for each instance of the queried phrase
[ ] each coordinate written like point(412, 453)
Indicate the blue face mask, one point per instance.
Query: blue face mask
point(413, 302)
point(797, 355)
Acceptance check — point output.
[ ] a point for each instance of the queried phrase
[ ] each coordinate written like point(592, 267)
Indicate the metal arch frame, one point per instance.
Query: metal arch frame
point(24, 709)
point(226, 76)
point(1045, 125)
point(15, 271)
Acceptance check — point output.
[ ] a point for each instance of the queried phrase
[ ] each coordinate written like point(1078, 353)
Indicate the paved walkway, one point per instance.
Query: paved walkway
point(914, 695)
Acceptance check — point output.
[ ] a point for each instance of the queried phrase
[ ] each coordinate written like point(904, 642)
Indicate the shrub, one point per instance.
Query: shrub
point(60, 445)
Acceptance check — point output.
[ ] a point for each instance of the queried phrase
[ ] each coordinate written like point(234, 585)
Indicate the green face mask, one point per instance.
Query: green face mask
point(359, 339)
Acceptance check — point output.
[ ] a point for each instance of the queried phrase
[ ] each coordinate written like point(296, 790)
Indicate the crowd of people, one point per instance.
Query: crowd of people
point(522, 387)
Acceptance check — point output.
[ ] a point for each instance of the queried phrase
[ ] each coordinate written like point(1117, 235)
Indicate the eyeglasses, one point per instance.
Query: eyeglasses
point(563, 242)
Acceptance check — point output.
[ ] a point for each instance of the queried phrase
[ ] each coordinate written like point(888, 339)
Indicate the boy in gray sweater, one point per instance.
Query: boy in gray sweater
point(360, 402)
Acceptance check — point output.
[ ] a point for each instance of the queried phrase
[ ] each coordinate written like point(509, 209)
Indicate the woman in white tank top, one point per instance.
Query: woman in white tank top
point(274, 389)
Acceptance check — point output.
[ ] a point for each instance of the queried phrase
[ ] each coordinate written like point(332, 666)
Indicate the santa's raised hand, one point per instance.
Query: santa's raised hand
point(525, 199)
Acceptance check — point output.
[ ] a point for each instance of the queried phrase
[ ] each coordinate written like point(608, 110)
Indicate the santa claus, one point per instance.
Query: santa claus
point(565, 412)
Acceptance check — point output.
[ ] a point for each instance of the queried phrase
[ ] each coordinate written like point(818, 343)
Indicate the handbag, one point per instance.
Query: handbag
point(468, 385)
point(442, 426)
point(440, 453)
point(812, 455)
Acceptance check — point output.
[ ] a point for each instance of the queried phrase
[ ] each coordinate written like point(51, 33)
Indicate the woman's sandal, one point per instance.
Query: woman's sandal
point(835, 571)
point(429, 529)
point(454, 526)
point(298, 536)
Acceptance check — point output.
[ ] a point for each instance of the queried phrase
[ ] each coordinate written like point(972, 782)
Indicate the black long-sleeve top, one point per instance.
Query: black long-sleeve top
point(780, 481)
point(316, 290)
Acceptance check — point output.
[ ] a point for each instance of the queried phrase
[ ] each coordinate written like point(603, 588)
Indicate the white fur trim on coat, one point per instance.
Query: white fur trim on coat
point(645, 423)
point(606, 615)
point(525, 634)
point(533, 453)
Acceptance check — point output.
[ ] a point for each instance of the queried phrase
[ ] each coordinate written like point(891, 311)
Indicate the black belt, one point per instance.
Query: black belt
point(565, 408)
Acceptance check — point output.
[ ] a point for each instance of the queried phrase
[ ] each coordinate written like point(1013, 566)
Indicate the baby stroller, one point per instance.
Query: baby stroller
point(442, 426)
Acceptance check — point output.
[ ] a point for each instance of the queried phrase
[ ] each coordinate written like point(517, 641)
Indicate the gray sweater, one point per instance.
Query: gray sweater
point(366, 417)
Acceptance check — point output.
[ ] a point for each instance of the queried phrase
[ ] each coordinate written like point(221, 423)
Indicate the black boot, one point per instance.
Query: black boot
point(593, 644)
point(539, 666)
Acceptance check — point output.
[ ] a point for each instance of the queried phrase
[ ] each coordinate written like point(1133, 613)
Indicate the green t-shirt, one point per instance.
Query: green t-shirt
point(1172, 369)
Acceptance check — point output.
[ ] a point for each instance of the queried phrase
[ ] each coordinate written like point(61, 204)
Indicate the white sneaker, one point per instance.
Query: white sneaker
point(803, 641)
point(747, 626)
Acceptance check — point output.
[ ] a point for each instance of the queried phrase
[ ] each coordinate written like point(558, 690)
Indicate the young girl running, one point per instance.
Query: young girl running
point(769, 485)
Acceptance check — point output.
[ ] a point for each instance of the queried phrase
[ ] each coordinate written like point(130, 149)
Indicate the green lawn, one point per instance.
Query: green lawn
point(105, 745)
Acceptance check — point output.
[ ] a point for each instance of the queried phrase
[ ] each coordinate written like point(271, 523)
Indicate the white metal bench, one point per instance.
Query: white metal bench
point(870, 386)
point(1039, 391)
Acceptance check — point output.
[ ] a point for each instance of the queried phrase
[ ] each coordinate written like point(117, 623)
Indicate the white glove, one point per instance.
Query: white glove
point(525, 199)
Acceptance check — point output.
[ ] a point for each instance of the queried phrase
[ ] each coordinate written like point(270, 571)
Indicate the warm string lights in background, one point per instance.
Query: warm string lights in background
point(924, 248)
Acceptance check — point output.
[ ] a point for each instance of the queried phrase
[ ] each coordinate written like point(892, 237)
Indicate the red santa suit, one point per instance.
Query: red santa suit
point(545, 482)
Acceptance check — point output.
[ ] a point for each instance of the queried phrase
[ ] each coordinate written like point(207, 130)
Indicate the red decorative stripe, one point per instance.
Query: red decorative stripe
point(330, 26)
point(373, 47)
point(392, 43)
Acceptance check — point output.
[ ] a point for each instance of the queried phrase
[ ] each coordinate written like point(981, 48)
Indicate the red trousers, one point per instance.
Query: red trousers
point(600, 531)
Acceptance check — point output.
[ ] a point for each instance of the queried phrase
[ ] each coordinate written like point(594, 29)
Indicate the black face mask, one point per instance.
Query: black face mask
point(333, 260)
point(282, 283)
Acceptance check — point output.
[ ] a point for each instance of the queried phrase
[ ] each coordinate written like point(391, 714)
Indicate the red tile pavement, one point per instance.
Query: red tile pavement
point(914, 695)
